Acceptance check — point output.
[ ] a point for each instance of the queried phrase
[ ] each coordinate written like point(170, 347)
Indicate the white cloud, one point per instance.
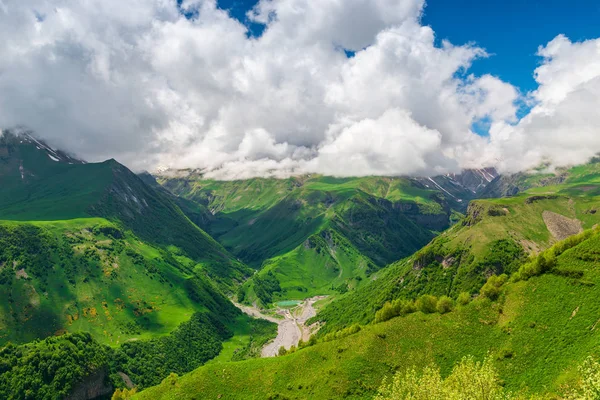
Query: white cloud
point(563, 128)
point(138, 81)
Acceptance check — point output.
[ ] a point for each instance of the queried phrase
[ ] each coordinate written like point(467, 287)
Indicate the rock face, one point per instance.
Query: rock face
point(560, 226)
point(475, 180)
point(93, 387)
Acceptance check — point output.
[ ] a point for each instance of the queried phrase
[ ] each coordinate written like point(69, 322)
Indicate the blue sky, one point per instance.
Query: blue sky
point(511, 30)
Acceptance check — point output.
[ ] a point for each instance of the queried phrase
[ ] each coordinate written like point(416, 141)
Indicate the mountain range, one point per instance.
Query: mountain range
point(148, 266)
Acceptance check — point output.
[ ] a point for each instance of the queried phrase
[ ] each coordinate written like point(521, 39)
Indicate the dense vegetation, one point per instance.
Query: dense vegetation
point(51, 368)
point(537, 332)
point(316, 235)
point(496, 237)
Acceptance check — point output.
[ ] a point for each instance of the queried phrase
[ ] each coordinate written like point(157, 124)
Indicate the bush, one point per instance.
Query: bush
point(468, 380)
point(124, 394)
point(491, 289)
point(387, 312)
point(399, 307)
point(589, 385)
point(351, 330)
point(427, 304)
point(445, 305)
point(464, 298)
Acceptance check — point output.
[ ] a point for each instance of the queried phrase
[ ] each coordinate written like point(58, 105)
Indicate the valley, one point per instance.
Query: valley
point(292, 324)
point(306, 287)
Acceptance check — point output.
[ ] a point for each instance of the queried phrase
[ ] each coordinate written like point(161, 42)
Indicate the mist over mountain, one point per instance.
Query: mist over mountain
point(186, 85)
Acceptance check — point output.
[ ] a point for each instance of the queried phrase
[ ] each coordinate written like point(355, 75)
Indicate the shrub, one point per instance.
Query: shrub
point(351, 330)
point(427, 304)
point(394, 309)
point(468, 380)
point(124, 394)
point(445, 305)
point(386, 312)
point(491, 289)
point(464, 298)
point(407, 307)
point(589, 385)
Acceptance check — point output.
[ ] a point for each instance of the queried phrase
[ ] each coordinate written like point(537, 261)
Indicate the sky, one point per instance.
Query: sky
point(243, 88)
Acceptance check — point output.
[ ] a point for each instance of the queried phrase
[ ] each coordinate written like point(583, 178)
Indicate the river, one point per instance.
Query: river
point(291, 328)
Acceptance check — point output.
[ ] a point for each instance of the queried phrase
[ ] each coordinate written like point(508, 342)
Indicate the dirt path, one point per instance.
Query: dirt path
point(291, 328)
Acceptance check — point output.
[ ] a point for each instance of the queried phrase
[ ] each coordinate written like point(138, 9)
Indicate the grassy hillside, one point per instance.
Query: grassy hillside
point(315, 235)
point(41, 184)
point(495, 237)
point(538, 332)
point(89, 275)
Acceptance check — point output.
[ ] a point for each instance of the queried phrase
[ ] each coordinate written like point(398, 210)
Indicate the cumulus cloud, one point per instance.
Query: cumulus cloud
point(141, 82)
point(563, 127)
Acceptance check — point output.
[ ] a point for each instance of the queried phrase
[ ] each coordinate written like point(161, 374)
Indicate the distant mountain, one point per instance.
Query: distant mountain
point(315, 234)
point(513, 184)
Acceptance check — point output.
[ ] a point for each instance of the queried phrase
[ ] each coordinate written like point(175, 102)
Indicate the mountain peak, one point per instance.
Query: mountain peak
point(11, 138)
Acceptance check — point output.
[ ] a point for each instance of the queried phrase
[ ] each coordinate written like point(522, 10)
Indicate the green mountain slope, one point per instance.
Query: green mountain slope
point(282, 226)
point(93, 248)
point(494, 238)
point(89, 275)
point(41, 184)
point(538, 332)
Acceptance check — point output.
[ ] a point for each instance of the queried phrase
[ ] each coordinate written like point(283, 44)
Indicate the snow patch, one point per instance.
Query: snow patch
point(441, 188)
point(53, 158)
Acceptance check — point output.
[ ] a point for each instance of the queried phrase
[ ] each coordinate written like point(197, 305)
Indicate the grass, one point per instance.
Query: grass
point(77, 278)
point(538, 332)
point(318, 235)
point(460, 258)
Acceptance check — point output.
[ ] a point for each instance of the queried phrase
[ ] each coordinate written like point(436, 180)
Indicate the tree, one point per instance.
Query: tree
point(427, 304)
point(445, 305)
point(468, 380)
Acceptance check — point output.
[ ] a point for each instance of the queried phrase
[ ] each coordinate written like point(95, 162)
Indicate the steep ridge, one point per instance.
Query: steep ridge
point(41, 184)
